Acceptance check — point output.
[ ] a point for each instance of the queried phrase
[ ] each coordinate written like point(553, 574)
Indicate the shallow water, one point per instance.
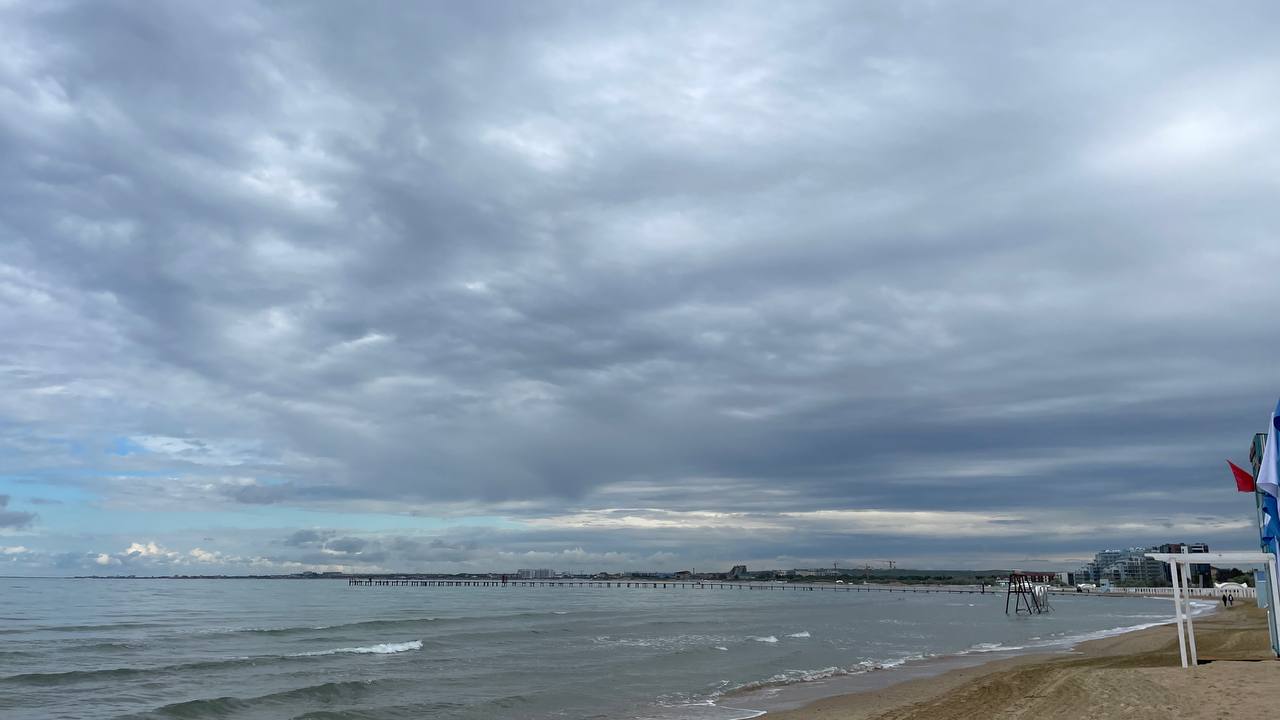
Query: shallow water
point(320, 649)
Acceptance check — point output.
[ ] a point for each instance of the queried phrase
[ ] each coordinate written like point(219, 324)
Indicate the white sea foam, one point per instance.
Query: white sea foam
point(767, 639)
point(706, 709)
point(379, 649)
point(801, 634)
point(792, 677)
point(559, 612)
point(1062, 640)
point(900, 661)
point(1200, 607)
point(723, 648)
point(991, 647)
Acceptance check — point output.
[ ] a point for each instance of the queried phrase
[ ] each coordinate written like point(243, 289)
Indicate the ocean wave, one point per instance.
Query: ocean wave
point(987, 647)
point(1062, 641)
point(71, 677)
point(792, 677)
point(801, 634)
point(110, 646)
point(379, 649)
point(387, 623)
point(704, 710)
point(78, 628)
point(326, 693)
point(1073, 640)
point(674, 643)
point(765, 639)
point(888, 664)
point(303, 629)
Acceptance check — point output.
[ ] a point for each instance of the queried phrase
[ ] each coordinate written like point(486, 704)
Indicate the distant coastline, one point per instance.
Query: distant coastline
point(878, 576)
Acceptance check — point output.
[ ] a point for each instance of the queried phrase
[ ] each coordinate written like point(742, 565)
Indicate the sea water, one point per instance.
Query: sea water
point(320, 649)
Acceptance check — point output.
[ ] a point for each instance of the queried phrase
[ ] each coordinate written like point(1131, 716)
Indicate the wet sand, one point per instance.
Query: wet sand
point(1135, 675)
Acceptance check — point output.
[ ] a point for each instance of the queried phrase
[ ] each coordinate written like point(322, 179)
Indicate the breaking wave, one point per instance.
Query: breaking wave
point(379, 649)
point(792, 677)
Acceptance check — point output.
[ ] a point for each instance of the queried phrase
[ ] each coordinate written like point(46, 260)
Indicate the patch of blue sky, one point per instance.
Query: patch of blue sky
point(124, 446)
point(21, 488)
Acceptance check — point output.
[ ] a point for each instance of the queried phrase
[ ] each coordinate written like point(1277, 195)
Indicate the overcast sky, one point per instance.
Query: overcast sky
point(620, 286)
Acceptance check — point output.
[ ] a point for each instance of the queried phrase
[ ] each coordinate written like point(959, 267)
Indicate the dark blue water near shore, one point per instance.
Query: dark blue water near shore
point(319, 649)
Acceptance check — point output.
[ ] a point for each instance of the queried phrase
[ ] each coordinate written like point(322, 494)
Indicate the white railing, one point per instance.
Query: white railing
point(1195, 592)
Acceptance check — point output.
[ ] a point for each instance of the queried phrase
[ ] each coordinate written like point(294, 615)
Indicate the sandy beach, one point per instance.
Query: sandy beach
point(1136, 675)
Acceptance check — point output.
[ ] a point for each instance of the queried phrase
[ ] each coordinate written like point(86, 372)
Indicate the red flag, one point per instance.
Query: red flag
point(1244, 480)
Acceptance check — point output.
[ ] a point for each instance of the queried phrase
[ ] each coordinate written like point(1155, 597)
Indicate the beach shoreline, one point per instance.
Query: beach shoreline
point(794, 695)
point(1133, 674)
point(774, 697)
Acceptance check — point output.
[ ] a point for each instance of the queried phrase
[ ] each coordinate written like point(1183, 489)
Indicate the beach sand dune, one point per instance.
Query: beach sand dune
point(1136, 675)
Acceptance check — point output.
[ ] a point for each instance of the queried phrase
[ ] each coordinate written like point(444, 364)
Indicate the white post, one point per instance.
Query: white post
point(1191, 628)
point(1275, 592)
point(1177, 611)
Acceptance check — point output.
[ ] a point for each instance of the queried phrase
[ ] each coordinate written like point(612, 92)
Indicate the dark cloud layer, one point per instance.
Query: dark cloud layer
point(12, 518)
point(641, 278)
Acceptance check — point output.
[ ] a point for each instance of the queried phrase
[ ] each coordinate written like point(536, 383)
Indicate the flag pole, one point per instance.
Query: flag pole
point(1270, 576)
point(1259, 456)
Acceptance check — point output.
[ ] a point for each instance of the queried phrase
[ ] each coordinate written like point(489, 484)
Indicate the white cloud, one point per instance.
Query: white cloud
point(656, 519)
point(150, 551)
point(206, 556)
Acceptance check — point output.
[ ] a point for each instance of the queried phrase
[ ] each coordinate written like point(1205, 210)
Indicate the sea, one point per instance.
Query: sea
point(323, 650)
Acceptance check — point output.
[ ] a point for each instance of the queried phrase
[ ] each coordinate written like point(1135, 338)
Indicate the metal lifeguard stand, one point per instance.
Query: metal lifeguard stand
point(1027, 597)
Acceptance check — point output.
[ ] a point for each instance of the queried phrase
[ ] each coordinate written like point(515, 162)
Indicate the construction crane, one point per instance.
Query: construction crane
point(866, 568)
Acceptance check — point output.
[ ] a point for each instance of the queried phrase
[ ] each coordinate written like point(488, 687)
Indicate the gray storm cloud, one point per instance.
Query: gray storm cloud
point(13, 518)
point(562, 263)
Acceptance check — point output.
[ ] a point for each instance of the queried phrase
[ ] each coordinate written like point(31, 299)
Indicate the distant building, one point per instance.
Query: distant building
point(1123, 566)
point(737, 573)
point(1092, 572)
point(1133, 567)
point(1200, 575)
point(646, 574)
point(817, 572)
point(534, 574)
point(684, 574)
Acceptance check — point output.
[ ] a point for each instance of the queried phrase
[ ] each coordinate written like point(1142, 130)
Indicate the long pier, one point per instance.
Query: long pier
point(665, 585)
point(748, 586)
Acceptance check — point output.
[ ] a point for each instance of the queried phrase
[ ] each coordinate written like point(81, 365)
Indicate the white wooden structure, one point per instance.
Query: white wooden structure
point(1178, 563)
